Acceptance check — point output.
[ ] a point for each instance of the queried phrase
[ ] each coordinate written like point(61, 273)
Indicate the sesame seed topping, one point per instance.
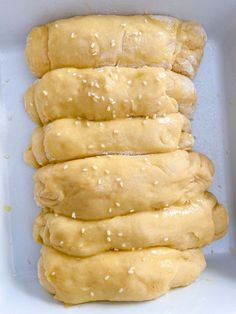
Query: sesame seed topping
point(144, 122)
point(92, 294)
point(145, 20)
point(143, 168)
point(84, 169)
point(132, 211)
point(107, 277)
point(101, 124)
point(82, 230)
point(106, 171)
point(72, 35)
point(58, 133)
point(129, 82)
point(94, 167)
point(126, 100)
point(108, 232)
point(55, 215)
point(110, 210)
point(103, 98)
point(145, 83)
point(154, 116)
point(121, 290)
point(155, 182)
point(53, 273)
point(140, 96)
point(113, 43)
point(45, 92)
point(94, 53)
point(108, 239)
point(115, 131)
point(96, 84)
point(74, 74)
point(99, 181)
point(76, 122)
point(131, 270)
point(90, 146)
point(103, 145)
point(96, 35)
point(92, 45)
point(69, 99)
point(117, 204)
point(56, 25)
point(73, 215)
point(123, 24)
point(121, 184)
point(84, 81)
point(120, 234)
point(154, 251)
point(115, 249)
point(166, 239)
point(65, 167)
point(118, 179)
point(123, 245)
point(108, 108)
point(61, 242)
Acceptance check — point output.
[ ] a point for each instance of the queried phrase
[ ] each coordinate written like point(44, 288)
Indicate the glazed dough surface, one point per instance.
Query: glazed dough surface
point(181, 227)
point(96, 40)
point(68, 139)
point(108, 186)
point(118, 276)
point(109, 93)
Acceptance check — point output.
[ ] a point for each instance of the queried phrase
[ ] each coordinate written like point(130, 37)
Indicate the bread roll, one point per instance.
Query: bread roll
point(107, 186)
point(99, 40)
point(118, 276)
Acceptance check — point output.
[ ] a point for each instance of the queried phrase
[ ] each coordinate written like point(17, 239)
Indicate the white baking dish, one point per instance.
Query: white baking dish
point(214, 128)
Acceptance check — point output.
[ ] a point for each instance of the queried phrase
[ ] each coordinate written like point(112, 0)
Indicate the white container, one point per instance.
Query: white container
point(214, 128)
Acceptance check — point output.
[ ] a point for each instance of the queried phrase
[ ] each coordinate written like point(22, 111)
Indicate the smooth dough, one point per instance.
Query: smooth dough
point(180, 227)
point(107, 186)
point(109, 93)
point(118, 276)
point(99, 40)
point(68, 139)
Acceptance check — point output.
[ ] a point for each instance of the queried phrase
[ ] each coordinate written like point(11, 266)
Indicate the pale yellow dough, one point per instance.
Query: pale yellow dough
point(109, 93)
point(68, 139)
point(180, 227)
point(107, 186)
point(96, 40)
point(118, 276)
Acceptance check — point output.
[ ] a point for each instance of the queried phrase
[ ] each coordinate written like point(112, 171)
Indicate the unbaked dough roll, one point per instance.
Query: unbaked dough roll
point(96, 40)
point(67, 139)
point(109, 93)
point(108, 186)
point(118, 276)
point(180, 227)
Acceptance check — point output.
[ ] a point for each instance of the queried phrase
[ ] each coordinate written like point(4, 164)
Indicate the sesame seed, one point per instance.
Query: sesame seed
point(121, 184)
point(55, 215)
point(74, 74)
point(94, 53)
point(110, 210)
point(120, 234)
point(131, 270)
point(73, 215)
point(154, 251)
point(82, 230)
point(106, 171)
point(116, 250)
point(147, 117)
point(108, 239)
point(155, 182)
point(72, 35)
point(108, 232)
point(61, 242)
point(117, 204)
point(94, 167)
point(123, 245)
point(140, 96)
point(126, 100)
point(45, 92)
point(56, 25)
point(113, 43)
point(97, 85)
point(96, 35)
point(107, 277)
point(145, 20)
point(92, 45)
point(84, 169)
point(129, 82)
point(131, 210)
point(103, 98)
point(166, 239)
point(69, 99)
point(108, 108)
point(53, 273)
point(84, 81)
point(154, 116)
point(92, 83)
point(76, 122)
point(101, 124)
point(118, 179)
point(115, 131)
point(58, 133)
point(143, 168)
point(103, 145)
point(145, 83)
point(144, 122)
point(90, 146)
point(65, 167)
point(121, 290)
point(92, 294)
point(123, 24)
point(99, 181)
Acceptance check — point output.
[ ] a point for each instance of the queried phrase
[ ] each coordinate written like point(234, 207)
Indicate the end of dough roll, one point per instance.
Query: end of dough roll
point(119, 276)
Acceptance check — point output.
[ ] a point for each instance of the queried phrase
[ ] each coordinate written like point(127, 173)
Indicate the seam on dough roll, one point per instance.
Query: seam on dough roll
point(68, 139)
point(109, 93)
point(189, 226)
point(80, 42)
point(119, 276)
point(106, 186)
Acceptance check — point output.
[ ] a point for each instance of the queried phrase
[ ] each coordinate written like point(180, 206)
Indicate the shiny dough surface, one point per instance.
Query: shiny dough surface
point(100, 40)
point(179, 226)
point(67, 139)
point(109, 93)
point(107, 186)
point(118, 276)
